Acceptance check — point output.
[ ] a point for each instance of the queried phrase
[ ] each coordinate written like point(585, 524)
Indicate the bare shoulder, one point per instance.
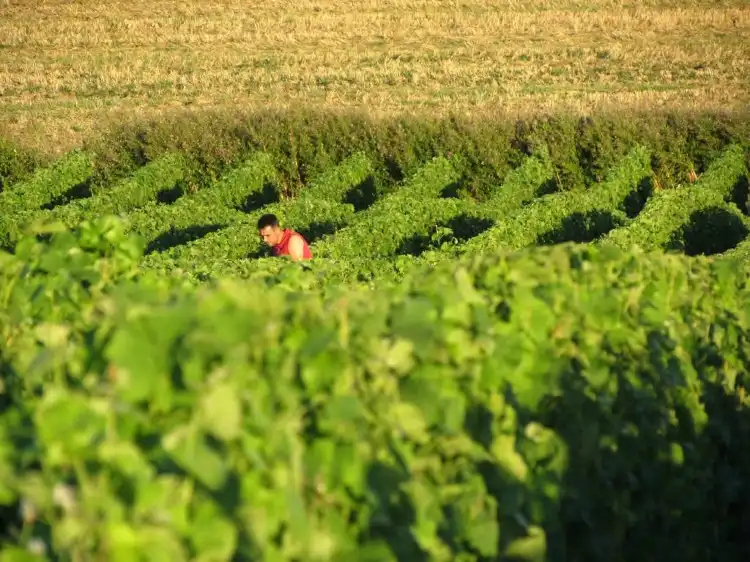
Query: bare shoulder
point(296, 238)
point(296, 247)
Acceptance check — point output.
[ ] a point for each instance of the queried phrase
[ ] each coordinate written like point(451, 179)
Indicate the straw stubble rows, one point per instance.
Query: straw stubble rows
point(67, 68)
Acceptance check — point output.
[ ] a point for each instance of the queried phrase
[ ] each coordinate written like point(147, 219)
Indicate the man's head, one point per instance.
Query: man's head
point(268, 229)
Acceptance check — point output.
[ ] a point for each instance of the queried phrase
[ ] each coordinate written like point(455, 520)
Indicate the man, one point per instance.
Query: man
point(283, 242)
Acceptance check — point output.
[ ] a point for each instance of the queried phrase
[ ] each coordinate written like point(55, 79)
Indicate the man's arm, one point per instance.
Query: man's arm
point(296, 247)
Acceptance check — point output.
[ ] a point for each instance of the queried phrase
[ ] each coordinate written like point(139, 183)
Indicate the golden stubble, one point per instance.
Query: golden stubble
point(67, 68)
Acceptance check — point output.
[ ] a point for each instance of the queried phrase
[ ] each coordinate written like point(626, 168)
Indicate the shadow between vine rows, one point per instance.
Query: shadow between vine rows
point(464, 227)
point(452, 190)
point(741, 195)
point(636, 200)
point(709, 231)
point(580, 227)
point(317, 230)
point(81, 190)
point(267, 195)
point(362, 195)
point(393, 169)
point(169, 195)
point(547, 188)
point(179, 236)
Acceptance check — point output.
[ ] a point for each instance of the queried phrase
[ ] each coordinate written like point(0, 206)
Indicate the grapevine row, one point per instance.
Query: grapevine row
point(320, 203)
point(667, 214)
point(219, 203)
point(26, 199)
point(414, 217)
point(166, 173)
point(567, 215)
point(415, 205)
point(478, 410)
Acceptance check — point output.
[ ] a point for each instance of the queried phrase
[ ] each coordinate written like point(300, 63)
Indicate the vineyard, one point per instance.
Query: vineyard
point(211, 232)
point(535, 373)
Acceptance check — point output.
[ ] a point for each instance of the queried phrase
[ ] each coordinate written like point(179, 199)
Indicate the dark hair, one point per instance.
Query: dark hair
point(267, 220)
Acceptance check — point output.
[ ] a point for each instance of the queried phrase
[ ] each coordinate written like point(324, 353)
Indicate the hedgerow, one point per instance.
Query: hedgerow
point(455, 222)
point(163, 177)
point(305, 143)
point(727, 175)
point(17, 163)
point(739, 255)
point(522, 185)
point(47, 183)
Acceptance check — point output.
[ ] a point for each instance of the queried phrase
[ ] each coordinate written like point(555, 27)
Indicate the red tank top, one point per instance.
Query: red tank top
point(282, 248)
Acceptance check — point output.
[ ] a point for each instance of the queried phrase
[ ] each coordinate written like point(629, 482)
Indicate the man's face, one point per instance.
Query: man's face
point(270, 235)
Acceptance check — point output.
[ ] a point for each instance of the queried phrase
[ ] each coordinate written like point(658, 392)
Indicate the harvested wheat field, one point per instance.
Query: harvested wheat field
point(67, 68)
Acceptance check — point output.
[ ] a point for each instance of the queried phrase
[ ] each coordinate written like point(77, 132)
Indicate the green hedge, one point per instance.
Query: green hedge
point(546, 405)
point(521, 186)
point(408, 222)
point(167, 174)
point(17, 163)
point(46, 184)
point(305, 143)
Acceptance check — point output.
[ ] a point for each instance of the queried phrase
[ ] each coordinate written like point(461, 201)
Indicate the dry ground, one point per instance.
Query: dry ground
point(67, 68)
